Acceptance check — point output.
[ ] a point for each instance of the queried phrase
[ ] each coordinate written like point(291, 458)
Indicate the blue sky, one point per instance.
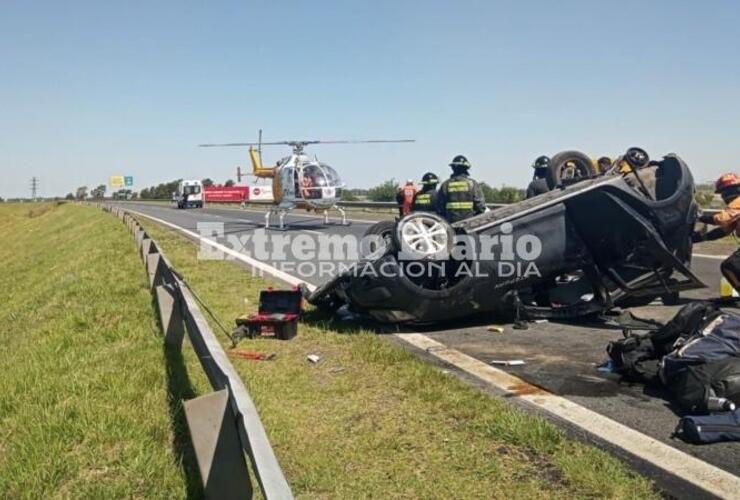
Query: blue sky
point(92, 89)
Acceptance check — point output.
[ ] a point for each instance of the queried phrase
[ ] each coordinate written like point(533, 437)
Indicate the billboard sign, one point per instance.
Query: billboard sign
point(223, 194)
point(260, 193)
point(128, 180)
point(116, 181)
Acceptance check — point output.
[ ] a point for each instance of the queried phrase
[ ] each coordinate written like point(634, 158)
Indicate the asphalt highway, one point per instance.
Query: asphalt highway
point(559, 357)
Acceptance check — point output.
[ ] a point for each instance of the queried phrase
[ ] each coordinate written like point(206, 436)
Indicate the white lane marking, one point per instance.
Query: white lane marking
point(674, 461)
point(265, 268)
point(707, 256)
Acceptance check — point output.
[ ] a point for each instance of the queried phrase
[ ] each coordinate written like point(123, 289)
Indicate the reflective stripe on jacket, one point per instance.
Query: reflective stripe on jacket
point(425, 201)
point(460, 197)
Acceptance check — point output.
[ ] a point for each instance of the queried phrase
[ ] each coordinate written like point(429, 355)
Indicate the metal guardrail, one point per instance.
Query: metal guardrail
point(393, 205)
point(224, 425)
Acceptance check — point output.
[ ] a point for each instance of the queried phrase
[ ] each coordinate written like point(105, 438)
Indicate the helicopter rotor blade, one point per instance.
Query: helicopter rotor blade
point(282, 143)
point(366, 141)
point(305, 143)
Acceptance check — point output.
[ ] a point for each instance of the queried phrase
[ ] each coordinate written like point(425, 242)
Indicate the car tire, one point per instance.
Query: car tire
point(556, 170)
point(424, 236)
point(384, 229)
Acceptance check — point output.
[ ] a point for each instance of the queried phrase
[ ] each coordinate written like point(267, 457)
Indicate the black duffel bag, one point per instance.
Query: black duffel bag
point(637, 356)
point(693, 387)
point(706, 429)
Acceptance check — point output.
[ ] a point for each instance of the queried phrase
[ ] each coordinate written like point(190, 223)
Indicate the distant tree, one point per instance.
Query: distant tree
point(2, 200)
point(229, 183)
point(508, 194)
point(348, 195)
point(81, 193)
point(384, 192)
point(489, 193)
point(207, 182)
point(69, 196)
point(98, 192)
point(504, 194)
point(358, 193)
point(160, 191)
point(134, 195)
point(704, 198)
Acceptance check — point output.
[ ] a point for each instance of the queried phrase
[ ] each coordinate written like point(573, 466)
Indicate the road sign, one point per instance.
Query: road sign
point(128, 180)
point(116, 181)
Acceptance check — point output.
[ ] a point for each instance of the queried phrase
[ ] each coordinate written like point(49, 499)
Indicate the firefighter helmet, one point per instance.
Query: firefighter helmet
point(460, 161)
point(541, 162)
point(430, 179)
point(604, 163)
point(726, 181)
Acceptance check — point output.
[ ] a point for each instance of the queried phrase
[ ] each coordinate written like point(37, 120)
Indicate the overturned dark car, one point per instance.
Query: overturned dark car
point(620, 239)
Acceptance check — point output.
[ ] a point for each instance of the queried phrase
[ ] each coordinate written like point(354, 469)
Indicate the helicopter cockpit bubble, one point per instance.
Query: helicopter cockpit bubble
point(320, 183)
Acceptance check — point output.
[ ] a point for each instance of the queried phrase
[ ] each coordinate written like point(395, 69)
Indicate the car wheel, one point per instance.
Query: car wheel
point(377, 239)
point(569, 166)
point(422, 235)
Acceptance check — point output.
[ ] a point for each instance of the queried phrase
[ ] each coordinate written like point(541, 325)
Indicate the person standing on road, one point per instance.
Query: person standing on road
point(405, 198)
point(460, 197)
point(426, 199)
point(727, 222)
point(539, 184)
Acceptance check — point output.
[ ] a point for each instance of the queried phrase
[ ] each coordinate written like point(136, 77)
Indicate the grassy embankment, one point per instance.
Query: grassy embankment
point(84, 405)
point(373, 420)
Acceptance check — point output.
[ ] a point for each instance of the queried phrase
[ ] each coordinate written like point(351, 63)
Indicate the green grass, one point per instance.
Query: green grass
point(372, 420)
point(85, 410)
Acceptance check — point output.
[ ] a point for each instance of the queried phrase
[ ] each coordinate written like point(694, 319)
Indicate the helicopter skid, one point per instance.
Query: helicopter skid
point(341, 211)
point(281, 219)
point(282, 213)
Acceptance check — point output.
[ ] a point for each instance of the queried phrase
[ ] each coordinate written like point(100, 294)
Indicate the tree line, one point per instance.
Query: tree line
point(385, 191)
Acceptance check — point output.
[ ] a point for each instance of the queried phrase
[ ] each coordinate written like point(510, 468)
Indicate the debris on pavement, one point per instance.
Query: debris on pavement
point(313, 358)
point(495, 329)
point(508, 362)
point(607, 366)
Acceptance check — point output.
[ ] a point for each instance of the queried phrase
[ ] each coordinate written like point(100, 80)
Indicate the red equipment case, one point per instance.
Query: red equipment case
point(277, 315)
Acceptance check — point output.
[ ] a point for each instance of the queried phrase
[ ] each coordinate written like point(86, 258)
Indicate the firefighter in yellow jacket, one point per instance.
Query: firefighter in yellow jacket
point(426, 199)
point(460, 197)
point(727, 222)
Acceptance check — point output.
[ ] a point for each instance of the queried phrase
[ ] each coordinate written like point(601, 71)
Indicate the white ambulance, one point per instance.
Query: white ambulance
point(189, 194)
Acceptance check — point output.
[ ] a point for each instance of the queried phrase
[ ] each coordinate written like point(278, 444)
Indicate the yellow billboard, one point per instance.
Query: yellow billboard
point(116, 181)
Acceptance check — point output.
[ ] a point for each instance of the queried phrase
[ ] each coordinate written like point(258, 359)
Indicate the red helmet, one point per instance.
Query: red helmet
point(725, 181)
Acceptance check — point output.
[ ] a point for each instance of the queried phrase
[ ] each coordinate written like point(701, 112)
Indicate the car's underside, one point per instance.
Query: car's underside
point(617, 239)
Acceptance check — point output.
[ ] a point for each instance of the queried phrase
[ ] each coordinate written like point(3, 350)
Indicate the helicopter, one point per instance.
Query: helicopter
point(300, 181)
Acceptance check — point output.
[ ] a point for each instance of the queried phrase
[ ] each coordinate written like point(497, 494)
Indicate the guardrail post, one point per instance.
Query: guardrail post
point(147, 247)
point(140, 235)
point(217, 448)
point(154, 266)
point(170, 316)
